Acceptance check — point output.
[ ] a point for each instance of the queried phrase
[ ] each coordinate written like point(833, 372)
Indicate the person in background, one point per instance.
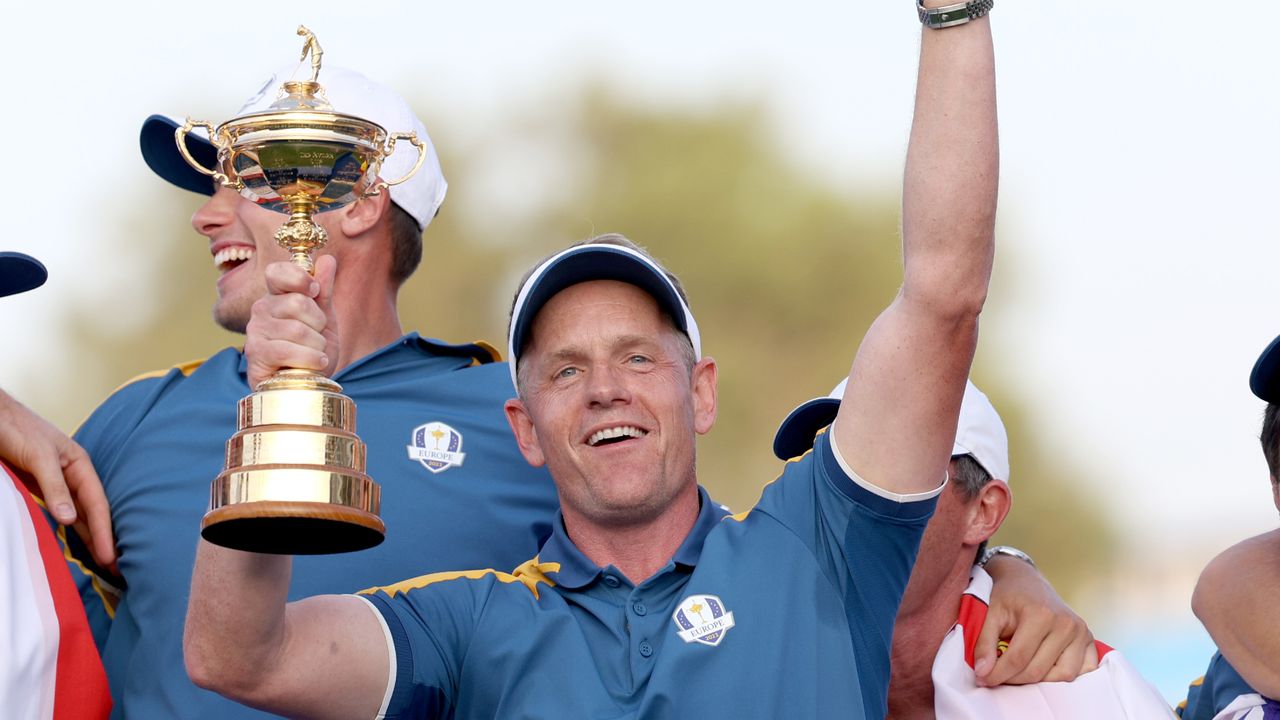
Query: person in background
point(49, 666)
point(159, 440)
point(1235, 596)
point(944, 639)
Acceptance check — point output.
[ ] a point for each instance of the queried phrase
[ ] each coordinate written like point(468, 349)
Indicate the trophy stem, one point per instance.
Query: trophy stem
point(301, 235)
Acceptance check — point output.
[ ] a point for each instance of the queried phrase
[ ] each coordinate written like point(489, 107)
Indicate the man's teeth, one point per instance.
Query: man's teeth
point(616, 432)
point(238, 253)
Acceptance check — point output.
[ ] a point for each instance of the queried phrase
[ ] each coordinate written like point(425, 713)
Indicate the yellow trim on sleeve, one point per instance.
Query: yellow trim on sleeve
point(493, 351)
point(108, 593)
point(530, 574)
point(186, 368)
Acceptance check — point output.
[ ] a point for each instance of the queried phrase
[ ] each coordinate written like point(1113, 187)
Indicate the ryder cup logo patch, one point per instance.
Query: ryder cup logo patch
point(703, 619)
point(437, 446)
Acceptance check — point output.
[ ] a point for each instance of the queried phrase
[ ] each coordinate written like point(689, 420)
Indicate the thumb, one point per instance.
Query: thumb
point(325, 274)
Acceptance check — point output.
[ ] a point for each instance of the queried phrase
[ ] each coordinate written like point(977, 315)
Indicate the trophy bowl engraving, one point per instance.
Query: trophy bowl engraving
point(327, 159)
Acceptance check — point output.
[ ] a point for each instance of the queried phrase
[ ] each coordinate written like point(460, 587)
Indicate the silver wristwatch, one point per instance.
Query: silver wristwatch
point(950, 15)
point(1005, 550)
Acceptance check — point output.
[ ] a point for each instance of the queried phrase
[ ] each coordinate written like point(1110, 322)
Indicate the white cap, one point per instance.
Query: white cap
point(350, 93)
point(979, 433)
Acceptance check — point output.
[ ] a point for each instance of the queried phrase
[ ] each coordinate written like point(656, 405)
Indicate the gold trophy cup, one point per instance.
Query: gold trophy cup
point(294, 480)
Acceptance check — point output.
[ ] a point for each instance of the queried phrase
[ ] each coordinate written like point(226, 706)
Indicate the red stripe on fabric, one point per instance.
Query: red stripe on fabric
point(973, 613)
point(80, 683)
point(1102, 649)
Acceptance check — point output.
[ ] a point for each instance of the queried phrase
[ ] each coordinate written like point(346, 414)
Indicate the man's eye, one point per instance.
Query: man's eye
point(567, 372)
point(637, 359)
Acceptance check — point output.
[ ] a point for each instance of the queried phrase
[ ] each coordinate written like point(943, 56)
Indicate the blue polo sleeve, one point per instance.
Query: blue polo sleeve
point(1221, 686)
point(429, 622)
point(865, 539)
point(102, 435)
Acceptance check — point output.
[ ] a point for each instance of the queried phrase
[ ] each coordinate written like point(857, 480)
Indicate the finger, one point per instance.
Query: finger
point(289, 306)
point(291, 317)
point(985, 651)
point(95, 513)
point(1091, 660)
point(269, 356)
point(1069, 664)
point(1044, 655)
point(52, 486)
point(285, 277)
point(1027, 636)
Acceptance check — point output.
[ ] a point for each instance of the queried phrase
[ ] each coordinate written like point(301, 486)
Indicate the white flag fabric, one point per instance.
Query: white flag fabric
point(49, 667)
point(1114, 691)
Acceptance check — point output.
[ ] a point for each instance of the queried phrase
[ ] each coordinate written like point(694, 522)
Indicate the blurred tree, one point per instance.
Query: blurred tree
point(785, 274)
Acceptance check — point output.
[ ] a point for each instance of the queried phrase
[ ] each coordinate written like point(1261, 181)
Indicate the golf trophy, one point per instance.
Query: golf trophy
point(294, 481)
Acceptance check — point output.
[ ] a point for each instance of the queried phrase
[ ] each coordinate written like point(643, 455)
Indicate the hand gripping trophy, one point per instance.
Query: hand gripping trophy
point(294, 480)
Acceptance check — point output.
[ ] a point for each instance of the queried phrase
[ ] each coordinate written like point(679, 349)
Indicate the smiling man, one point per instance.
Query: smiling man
point(159, 440)
point(647, 601)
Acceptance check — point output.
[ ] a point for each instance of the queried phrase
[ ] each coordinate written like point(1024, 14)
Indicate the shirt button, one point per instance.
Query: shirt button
point(640, 608)
point(611, 581)
point(645, 648)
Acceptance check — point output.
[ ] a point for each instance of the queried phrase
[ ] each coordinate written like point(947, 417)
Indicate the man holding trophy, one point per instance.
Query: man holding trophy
point(647, 601)
point(159, 440)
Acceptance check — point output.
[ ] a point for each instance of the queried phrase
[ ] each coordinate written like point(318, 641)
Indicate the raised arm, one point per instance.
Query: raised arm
point(322, 657)
point(898, 417)
point(1235, 599)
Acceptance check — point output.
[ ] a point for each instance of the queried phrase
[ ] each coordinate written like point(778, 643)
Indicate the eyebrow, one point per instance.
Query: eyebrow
point(622, 342)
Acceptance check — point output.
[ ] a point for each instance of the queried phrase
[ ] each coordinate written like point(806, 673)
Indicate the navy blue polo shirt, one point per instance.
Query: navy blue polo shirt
point(784, 611)
point(159, 441)
point(1221, 688)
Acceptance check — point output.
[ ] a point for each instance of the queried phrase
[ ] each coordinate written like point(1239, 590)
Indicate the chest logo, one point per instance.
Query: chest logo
point(437, 446)
point(702, 619)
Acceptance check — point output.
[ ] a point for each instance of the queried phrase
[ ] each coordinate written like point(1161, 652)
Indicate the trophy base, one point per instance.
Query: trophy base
point(283, 527)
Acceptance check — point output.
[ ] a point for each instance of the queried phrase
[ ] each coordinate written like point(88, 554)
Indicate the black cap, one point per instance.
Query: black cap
point(20, 273)
point(1264, 381)
point(160, 150)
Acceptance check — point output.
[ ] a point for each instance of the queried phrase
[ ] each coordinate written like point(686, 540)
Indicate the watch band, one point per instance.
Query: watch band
point(951, 15)
point(1006, 550)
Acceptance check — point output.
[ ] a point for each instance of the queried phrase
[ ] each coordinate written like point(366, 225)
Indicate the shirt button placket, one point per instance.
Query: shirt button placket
point(645, 648)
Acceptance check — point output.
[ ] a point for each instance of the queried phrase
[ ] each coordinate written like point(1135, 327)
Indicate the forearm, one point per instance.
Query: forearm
point(952, 171)
point(235, 619)
point(1234, 600)
point(322, 657)
point(899, 412)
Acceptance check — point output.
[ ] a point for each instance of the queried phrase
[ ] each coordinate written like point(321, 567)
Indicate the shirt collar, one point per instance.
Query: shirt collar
point(577, 571)
point(479, 353)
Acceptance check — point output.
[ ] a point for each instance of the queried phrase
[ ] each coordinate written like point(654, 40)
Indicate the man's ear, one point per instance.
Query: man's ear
point(988, 512)
point(526, 434)
point(704, 395)
point(364, 214)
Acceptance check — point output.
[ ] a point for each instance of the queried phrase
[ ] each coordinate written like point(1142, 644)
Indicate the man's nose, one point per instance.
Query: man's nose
point(606, 385)
point(217, 212)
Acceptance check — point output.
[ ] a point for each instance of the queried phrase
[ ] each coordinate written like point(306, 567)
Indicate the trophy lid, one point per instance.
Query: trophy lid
point(300, 95)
